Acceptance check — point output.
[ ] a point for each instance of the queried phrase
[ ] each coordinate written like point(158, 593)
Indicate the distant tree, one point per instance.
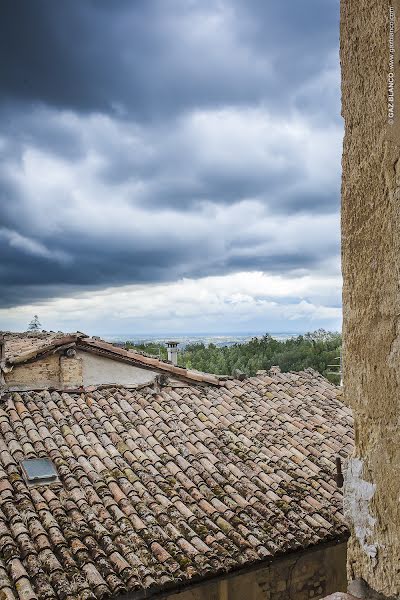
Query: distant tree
point(35, 324)
point(317, 349)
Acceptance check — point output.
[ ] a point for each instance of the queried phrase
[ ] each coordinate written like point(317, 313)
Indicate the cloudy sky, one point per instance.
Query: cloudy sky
point(170, 165)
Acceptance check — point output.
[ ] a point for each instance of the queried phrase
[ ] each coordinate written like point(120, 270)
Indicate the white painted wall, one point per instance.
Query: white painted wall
point(98, 370)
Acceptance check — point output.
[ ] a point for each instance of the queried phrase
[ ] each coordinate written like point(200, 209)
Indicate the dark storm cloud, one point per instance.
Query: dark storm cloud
point(148, 59)
point(127, 127)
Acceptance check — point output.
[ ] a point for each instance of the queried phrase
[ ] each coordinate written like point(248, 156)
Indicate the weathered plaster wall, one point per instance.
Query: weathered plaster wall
point(309, 576)
point(99, 370)
point(371, 297)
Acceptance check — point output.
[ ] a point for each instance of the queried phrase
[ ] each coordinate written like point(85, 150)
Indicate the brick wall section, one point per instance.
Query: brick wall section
point(41, 373)
point(52, 371)
point(307, 576)
point(71, 372)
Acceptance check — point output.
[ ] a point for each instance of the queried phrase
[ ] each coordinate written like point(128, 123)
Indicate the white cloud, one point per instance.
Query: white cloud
point(253, 138)
point(227, 303)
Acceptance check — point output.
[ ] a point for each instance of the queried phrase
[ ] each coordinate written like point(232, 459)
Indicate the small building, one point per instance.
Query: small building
point(71, 361)
point(159, 481)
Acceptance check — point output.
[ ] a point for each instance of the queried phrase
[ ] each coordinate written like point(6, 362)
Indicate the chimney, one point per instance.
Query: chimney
point(172, 349)
point(274, 370)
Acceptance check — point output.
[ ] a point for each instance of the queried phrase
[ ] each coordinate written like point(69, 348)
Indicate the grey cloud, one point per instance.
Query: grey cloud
point(168, 252)
point(107, 89)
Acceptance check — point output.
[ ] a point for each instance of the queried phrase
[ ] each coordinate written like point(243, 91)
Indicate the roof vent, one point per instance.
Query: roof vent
point(39, 471)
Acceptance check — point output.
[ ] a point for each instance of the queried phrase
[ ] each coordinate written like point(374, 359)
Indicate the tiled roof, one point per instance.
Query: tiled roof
point(161, 488)
point(16, 343)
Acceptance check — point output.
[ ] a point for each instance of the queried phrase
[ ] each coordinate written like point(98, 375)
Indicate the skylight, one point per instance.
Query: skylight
point(39, 471)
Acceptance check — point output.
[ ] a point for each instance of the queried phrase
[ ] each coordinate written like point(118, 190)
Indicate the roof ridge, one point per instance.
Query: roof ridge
point(86, 342)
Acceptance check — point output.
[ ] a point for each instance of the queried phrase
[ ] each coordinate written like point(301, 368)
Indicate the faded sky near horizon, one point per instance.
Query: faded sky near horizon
point(170, 166)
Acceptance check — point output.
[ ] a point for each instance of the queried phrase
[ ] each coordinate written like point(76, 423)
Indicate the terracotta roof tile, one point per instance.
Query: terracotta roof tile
point(163, 487)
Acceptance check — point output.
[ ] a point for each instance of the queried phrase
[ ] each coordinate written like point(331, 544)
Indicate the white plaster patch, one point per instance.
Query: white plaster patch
point(357, 496)
point(102, 370)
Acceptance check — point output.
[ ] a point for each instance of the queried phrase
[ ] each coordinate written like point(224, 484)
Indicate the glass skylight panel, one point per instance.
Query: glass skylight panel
point(39, 471)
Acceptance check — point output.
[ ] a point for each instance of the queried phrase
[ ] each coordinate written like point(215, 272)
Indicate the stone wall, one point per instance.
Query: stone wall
point(371, 296)
point(305, 576)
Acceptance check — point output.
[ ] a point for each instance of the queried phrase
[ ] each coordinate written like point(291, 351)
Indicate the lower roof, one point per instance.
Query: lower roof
point(160, 487)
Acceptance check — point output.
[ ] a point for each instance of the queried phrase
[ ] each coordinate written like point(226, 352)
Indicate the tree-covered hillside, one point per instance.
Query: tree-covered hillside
point(318, 350)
